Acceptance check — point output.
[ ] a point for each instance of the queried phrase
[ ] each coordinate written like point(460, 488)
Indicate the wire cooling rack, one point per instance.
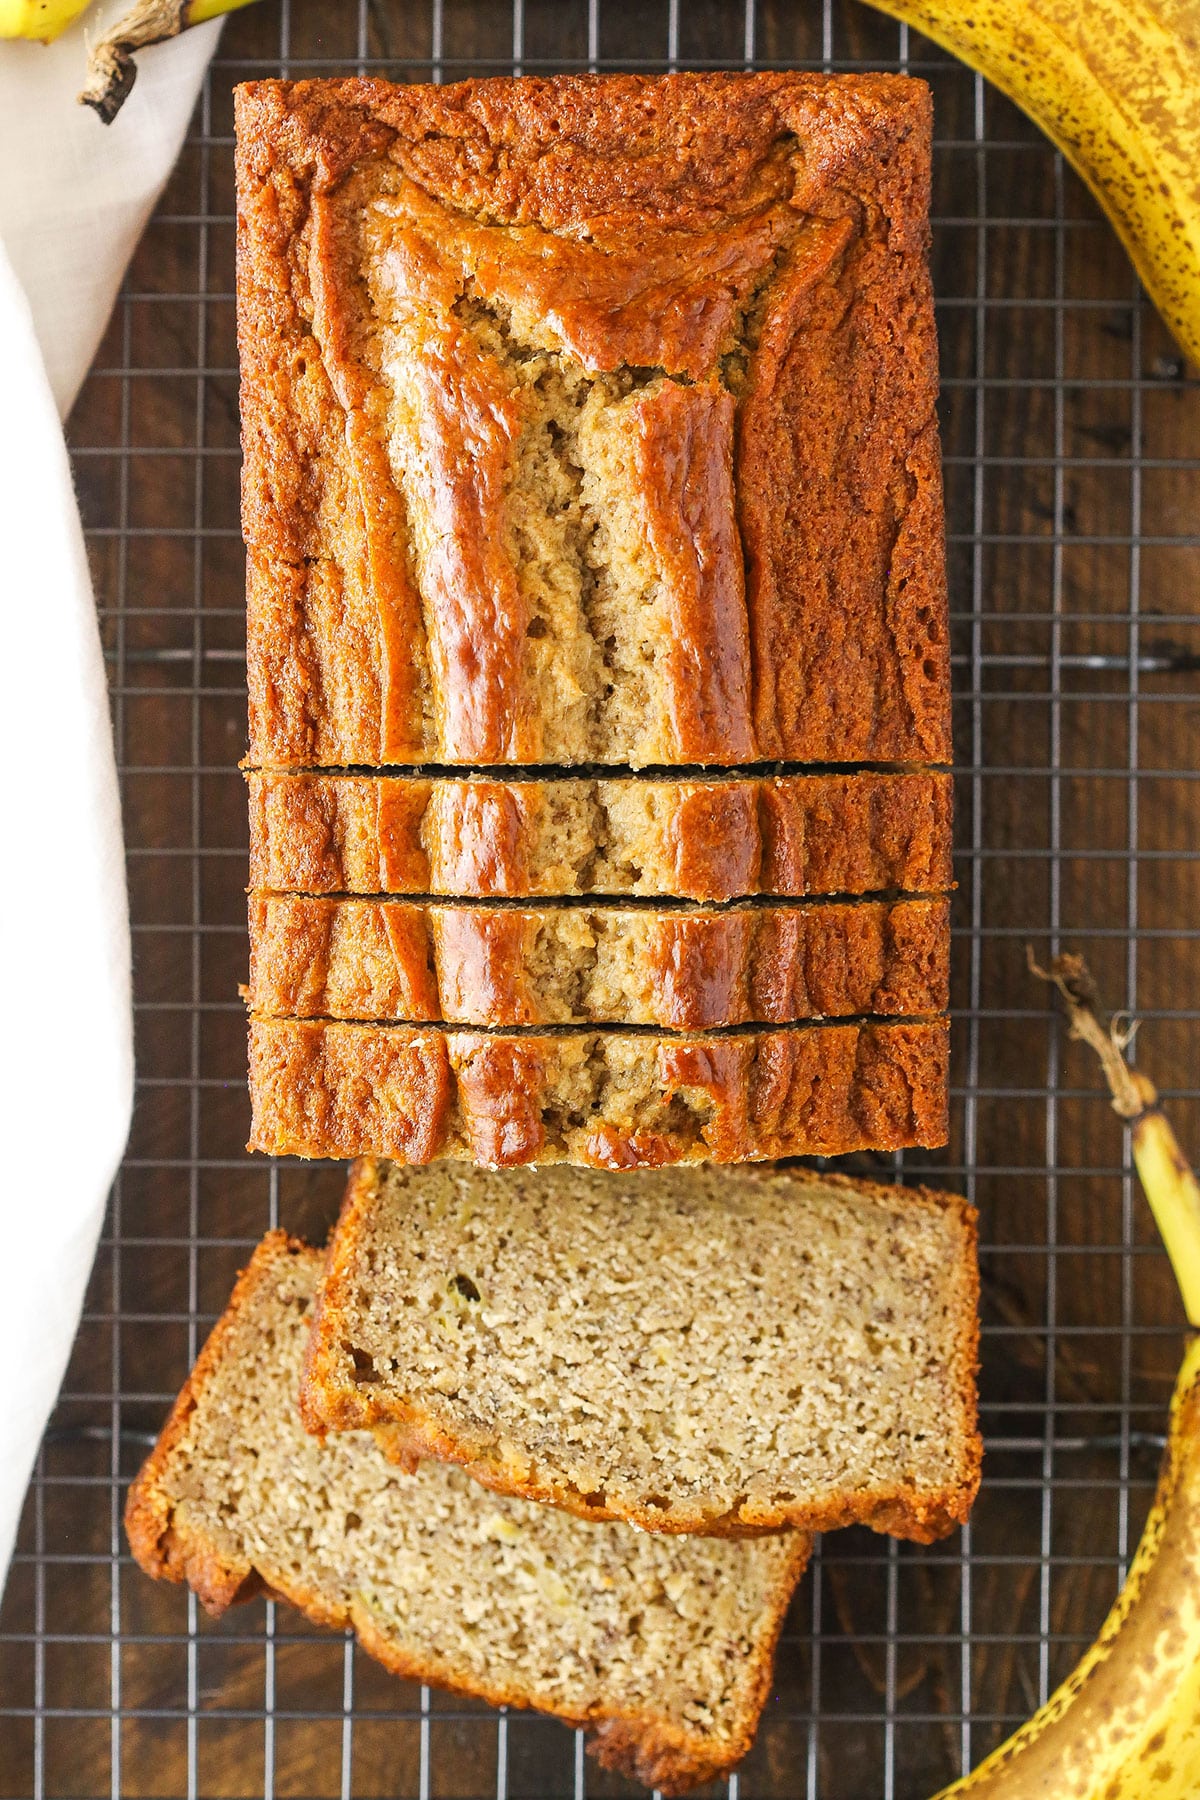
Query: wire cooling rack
point(1072, 439)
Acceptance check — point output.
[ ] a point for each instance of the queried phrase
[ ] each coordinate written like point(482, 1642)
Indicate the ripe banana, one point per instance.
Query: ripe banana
point(1126, 1724)
point(1116, 85)
point(44, 19)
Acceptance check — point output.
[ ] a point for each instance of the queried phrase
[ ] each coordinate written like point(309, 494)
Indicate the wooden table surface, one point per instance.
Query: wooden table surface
point(1072, 437)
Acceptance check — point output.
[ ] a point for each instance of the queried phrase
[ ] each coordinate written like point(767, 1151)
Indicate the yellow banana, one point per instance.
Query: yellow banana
point(44, 19)
point(1166, 1176)
point(1125, 1725)
point(1116, 85)
point(1172, 1190)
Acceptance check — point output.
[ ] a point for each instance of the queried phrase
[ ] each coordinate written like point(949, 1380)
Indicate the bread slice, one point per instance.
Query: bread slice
point(689, 1350)
point(591, 420)
point(615, 1100)
point(504, 966)
point(662, 1646)
point(716, 839)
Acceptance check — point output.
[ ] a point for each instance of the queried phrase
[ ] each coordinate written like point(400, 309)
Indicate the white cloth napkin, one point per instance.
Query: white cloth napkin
point(74, 197)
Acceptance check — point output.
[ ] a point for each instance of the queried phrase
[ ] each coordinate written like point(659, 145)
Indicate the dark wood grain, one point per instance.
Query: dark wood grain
point(1048, 599)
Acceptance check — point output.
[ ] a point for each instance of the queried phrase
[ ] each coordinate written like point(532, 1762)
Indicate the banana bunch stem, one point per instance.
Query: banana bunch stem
point(1171, 1186)
point(111, 67)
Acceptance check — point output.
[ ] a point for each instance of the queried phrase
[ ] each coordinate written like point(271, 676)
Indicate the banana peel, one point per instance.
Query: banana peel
point(42, 20)
point(111, 68)
point(1115, 84)
point(1125, 1725)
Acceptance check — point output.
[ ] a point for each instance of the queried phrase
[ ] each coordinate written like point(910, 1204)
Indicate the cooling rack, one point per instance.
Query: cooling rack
point(1072, 438)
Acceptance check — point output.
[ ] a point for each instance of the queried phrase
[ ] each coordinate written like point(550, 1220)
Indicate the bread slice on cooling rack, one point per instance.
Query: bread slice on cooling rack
point(723, 838)
point(611, 1099)
point(694, 1351)
point(663, 1646)
point(408, 961)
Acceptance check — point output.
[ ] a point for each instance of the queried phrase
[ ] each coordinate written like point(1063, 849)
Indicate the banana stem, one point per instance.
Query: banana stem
point(111, 68)
point(1166, 1176)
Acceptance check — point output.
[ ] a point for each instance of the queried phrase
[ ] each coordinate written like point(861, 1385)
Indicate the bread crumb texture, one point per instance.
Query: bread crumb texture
point(590, 420)
point(663, 1646)
point(718, 839)
point(614, 1100)
point(491, 966)
point(702, 1351)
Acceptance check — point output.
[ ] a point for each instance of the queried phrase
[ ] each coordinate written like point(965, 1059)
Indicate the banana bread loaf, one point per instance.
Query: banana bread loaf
point(662, 1646)
point(504, 966)
point(686, 1349)
point(615, 1100)
point(717, 839)
point(590, 420)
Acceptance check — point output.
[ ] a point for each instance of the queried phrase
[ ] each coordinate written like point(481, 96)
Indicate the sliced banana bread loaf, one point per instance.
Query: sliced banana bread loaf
point(662, 1646)
point(503, 966)
point(716, 839)
point(590, 420)
point(694, 1351)
point(616, 1100)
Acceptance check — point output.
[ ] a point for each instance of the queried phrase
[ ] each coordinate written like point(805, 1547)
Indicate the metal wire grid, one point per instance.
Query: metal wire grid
point(1072, 440)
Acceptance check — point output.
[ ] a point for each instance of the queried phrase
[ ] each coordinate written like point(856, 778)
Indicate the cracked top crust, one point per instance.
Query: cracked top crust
point(590, 420)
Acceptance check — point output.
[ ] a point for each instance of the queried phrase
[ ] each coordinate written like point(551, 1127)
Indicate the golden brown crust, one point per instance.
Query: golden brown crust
point(499, 967)
point(608, 1100)
point(651, 1747)
point(708, 840)
point(406, 1433)
point(759, 237)
point(847, 601)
